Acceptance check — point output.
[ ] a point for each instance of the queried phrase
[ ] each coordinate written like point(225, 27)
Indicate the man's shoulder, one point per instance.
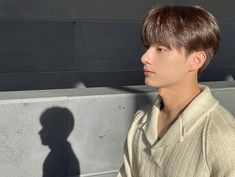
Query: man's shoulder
point(221, 115)
point(221, 123)
point(220, 138)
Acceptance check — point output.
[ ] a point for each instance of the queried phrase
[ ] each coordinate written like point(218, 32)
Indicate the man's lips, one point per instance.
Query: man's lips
point(148, 72)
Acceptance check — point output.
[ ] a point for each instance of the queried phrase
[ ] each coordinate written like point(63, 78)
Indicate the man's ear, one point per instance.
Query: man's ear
point(196, 60)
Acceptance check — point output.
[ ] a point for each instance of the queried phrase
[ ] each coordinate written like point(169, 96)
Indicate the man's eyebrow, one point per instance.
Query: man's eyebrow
point(162, 45)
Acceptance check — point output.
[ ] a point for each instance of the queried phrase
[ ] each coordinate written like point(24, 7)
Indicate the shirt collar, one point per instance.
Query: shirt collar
point(195, 111)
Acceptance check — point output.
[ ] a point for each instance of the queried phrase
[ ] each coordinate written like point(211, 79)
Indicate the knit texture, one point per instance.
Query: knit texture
point(201, 142)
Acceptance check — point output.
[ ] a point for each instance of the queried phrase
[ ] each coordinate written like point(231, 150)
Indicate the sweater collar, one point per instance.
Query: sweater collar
point(195, 111)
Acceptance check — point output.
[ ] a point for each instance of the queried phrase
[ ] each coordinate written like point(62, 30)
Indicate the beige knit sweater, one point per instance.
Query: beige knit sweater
point(201, 142)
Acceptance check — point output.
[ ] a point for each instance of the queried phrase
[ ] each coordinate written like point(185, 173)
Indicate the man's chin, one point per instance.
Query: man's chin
point(151, 84)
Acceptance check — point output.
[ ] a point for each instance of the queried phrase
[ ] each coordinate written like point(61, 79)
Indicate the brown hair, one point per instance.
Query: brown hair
point(190, 27)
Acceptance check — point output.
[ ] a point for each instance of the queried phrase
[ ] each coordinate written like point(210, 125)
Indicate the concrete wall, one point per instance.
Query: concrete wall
point(60, 43)
point(35, 125)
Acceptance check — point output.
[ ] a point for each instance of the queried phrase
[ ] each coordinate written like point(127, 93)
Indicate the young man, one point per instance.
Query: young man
point(186, 132)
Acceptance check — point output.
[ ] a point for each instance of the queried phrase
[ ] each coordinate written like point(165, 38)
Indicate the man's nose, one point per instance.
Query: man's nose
point(145, 58)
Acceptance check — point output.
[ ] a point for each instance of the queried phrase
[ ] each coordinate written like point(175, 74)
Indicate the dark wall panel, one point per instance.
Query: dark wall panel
point(108, 46)
point(222, 66)
point(36, 46)
point(36, 80)
point(110, 9)
point(57, 80)
point(226, 55)
point(217, 74)
point(60, 43)
point(38, 8)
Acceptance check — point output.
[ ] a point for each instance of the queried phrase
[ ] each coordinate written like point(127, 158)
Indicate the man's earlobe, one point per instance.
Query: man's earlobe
point(197, 60)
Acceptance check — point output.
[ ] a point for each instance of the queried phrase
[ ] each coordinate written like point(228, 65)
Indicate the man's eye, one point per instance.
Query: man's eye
point(159, 49)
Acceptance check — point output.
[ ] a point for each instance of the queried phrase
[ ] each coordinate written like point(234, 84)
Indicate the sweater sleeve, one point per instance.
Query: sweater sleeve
point(125, 170)
point(221, 148)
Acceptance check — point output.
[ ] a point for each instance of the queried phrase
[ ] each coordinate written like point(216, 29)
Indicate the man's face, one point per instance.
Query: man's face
point(164, 67)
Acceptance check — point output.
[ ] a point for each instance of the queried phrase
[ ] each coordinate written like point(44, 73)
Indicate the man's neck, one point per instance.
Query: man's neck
point(176, 99)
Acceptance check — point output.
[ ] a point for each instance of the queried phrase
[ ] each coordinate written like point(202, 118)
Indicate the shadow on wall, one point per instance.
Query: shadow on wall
point(57, 123)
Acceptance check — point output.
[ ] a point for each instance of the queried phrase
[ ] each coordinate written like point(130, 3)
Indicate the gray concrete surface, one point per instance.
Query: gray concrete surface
point(31, 123)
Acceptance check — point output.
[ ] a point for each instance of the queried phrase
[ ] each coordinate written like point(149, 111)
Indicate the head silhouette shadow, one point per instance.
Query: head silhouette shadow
point(57, 123)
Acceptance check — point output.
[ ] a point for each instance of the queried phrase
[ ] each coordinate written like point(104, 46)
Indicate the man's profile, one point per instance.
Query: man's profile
point(186, 132)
